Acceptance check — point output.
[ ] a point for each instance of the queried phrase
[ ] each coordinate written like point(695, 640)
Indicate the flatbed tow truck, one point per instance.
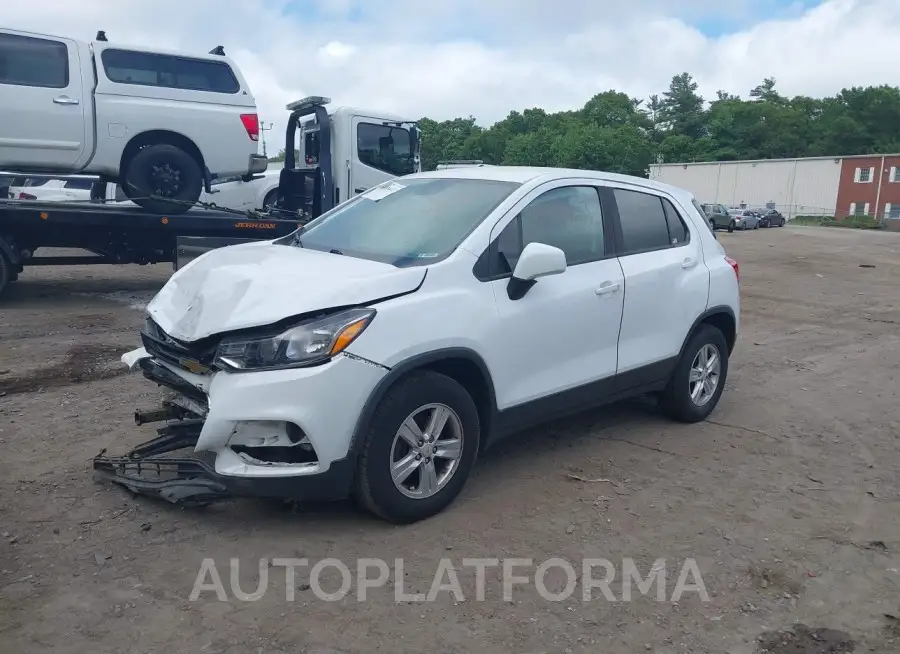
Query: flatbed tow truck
point(332, 151)
point(116, 234)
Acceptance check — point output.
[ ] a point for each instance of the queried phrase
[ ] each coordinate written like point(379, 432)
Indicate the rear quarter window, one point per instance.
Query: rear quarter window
point(169, 71)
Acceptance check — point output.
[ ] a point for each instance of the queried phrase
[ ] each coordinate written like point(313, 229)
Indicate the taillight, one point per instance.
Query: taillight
point(734, 265)
point(251, 124)
point(27, 196)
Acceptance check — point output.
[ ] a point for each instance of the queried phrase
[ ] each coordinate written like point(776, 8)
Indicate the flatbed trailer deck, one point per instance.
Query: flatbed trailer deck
point(120, 234)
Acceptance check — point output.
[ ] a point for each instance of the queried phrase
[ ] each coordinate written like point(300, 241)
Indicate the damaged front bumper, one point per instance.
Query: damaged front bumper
point(280, 434)
point(192, 481)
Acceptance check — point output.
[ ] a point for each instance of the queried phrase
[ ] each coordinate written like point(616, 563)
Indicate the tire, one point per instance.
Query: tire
point(139, 178)
point(375, 486)
point(781, 223)
point(270, 200)
point(756, 226)
point(7, 276)
point(676, 399)
point(731, 226)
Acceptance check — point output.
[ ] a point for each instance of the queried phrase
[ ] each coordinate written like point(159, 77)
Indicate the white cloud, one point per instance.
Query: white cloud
point(452, 58)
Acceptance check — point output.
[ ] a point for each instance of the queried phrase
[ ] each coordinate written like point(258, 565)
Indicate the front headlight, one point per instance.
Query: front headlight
point(305, 344)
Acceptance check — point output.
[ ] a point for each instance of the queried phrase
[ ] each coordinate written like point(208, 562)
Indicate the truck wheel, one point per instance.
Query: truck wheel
point(270, 200)
point(419, 448)
point(163, 170)
point(731, 226)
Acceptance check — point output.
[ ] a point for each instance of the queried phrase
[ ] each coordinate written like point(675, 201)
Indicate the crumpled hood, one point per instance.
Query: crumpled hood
point(257, 284)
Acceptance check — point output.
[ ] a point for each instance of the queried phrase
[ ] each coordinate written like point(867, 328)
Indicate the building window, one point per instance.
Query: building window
point(864, 175)
point(895, 174)
point(858, 209)
point(892, 211)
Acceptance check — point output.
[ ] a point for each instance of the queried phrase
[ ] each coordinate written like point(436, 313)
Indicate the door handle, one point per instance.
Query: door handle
point(607, 288)
point(64, 99)
point(688, 263)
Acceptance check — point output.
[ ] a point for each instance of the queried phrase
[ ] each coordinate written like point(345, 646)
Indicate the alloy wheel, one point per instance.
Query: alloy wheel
point(426, 451)
point(704, 376)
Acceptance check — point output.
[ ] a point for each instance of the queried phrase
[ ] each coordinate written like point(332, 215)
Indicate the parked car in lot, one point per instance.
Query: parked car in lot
point(772, 218)
point(444, 311)
point(158, 123)
point(719, 216)
point(744, 219)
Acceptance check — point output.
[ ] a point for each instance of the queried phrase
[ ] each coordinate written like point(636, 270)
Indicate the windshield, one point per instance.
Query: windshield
point(406, 222)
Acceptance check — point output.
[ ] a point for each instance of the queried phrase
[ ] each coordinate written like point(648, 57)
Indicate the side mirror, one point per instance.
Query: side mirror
point(537, 260)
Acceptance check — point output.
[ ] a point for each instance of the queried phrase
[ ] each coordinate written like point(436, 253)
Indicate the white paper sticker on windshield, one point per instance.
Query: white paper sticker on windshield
point(381, 192)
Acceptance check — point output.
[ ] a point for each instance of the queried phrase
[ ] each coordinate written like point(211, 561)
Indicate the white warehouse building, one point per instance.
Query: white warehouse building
point(793, 186)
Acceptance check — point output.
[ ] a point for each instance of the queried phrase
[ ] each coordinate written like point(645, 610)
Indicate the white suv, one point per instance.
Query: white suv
point(380, 349)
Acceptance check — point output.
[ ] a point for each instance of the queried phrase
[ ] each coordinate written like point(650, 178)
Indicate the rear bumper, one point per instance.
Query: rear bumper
point(258, 164)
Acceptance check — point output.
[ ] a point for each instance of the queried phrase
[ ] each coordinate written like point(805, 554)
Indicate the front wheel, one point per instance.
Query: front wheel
point(270, 200)
point(163, 178)
point(7, 275)
point(699, 377)
point(419, 449)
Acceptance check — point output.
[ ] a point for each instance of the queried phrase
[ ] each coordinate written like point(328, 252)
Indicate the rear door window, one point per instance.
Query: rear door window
point(644, 225)
point(168, 71)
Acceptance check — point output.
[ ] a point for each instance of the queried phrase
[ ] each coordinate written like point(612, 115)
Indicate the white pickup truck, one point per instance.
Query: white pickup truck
point(163, 125)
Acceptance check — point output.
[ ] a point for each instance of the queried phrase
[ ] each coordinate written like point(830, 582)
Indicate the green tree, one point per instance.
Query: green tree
point(682, 109)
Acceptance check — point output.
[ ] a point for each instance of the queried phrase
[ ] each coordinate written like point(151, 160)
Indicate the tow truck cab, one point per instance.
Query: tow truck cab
point(332, 156)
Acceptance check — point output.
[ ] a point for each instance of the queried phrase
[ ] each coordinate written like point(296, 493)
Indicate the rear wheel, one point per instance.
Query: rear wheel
point(165, 171)
point(731, 226)
point(699, 377)
point(419, 449)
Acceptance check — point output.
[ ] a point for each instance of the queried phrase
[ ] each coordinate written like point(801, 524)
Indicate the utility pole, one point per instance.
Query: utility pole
point(262, 134)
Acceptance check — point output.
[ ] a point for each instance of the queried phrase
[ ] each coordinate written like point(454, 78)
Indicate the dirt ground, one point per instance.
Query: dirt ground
point(787, 498)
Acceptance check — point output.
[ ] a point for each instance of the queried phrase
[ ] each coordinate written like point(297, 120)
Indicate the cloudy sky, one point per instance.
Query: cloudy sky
point(448, 58)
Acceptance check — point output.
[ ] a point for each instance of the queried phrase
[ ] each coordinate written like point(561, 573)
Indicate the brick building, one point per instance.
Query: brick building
point(870, 186)
point(835, 186)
